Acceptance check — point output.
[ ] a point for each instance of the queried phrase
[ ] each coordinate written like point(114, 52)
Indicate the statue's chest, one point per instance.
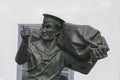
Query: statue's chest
point(37, 48)
point(44, 60)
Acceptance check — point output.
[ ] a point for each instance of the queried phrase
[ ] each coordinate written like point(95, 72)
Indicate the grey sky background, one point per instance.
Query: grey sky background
point(103, 15)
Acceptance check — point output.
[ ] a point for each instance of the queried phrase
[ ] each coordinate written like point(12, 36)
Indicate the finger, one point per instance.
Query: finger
point(103, 53)
point(27, 32)
point(95, 54)
point(98, 53)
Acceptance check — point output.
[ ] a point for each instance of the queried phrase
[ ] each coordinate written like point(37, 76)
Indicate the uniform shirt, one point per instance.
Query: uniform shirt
point(46, 64)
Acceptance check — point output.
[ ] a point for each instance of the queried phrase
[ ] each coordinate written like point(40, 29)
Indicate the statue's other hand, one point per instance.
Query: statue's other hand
point(99, 53)
point(25, 34)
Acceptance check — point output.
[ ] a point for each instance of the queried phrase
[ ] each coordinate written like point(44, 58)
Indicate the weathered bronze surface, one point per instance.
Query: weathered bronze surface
point(57, 45)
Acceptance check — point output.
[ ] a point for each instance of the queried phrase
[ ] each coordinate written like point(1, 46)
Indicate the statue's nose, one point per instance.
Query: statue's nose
point(44, 30)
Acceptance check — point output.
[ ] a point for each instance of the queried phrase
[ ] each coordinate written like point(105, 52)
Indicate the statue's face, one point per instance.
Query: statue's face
point(49, 30)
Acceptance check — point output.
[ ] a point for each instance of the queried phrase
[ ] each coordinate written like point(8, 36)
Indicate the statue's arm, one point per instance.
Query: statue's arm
point(82, 66)
point(94, 41)
point(21, 56)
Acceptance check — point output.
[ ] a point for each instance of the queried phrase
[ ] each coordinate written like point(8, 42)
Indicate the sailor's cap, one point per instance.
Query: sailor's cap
point(53, 18)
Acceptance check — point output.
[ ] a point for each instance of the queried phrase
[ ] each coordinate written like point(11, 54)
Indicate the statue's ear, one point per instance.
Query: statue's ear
point(58, 32)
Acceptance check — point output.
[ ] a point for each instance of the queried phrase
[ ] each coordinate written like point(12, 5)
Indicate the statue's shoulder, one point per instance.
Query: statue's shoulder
point(81, 30)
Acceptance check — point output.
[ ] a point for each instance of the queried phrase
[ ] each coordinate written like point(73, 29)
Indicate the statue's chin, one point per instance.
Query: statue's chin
point(47, 38)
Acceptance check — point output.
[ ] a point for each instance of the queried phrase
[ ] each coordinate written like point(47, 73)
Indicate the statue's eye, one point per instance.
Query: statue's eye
point(48, 26)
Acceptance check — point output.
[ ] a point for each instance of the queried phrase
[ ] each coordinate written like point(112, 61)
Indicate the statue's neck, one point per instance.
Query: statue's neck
point(50, 44)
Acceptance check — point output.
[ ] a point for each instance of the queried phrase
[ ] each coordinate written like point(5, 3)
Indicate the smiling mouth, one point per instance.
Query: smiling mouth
point(44, 34)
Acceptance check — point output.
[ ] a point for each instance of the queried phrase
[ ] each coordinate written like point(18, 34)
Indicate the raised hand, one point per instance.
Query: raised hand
point(25, 34)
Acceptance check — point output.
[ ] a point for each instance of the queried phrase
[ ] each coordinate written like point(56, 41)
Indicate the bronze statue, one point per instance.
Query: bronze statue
point(57, 45)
